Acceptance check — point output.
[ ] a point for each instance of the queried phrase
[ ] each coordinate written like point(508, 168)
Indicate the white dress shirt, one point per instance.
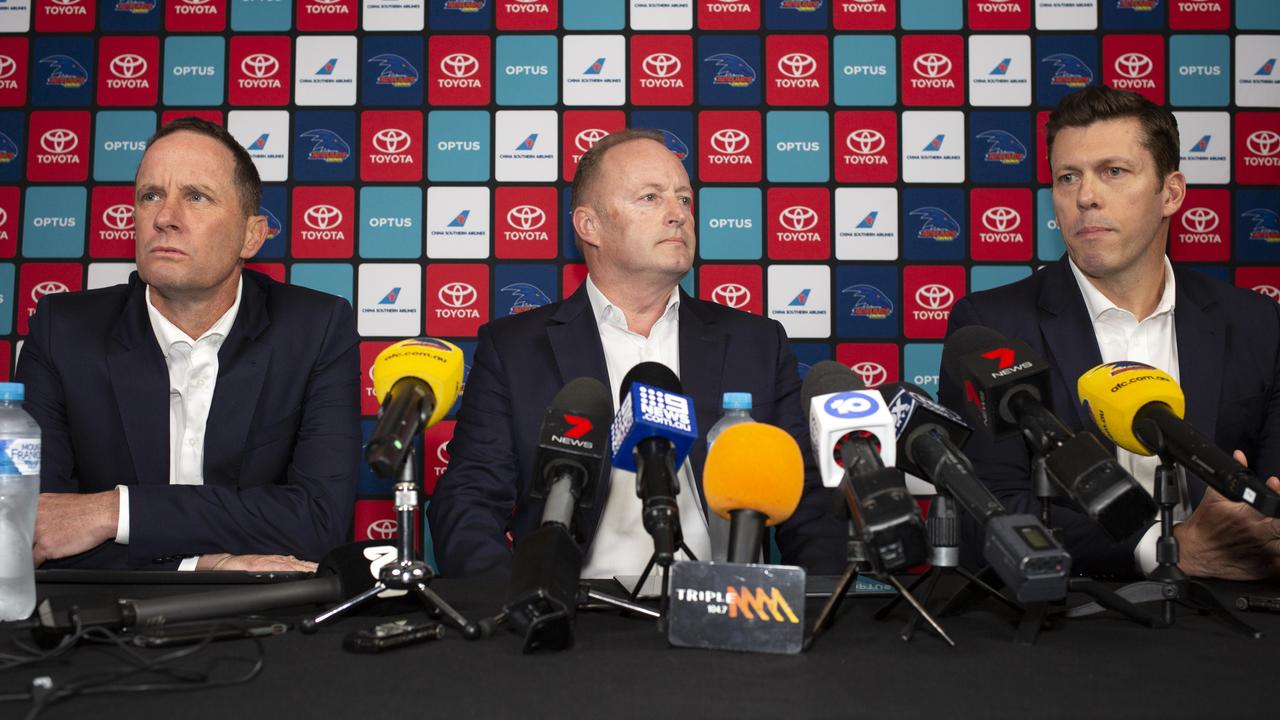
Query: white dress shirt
point(621, 545)
point(193, 373)
point(1154, 341)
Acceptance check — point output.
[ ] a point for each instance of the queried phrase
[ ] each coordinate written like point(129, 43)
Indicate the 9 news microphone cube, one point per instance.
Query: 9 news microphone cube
point(650, 412)
point(835, 415)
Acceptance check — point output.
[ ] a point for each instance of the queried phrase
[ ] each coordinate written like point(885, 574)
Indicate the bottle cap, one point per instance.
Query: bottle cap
point(737, 401)
point(12, 391)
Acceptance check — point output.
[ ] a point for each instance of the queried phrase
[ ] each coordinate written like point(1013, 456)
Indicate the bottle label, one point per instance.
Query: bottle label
point(20, 456)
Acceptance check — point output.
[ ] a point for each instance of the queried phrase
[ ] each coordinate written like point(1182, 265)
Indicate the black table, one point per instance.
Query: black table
point(621, 667)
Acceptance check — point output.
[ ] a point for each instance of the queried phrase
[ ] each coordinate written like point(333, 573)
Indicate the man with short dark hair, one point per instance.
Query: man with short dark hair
point(202, 416)
point(632, 214)
point(1115, 296)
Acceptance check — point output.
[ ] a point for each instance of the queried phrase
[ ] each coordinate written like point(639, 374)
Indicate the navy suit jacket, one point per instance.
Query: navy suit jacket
point(1228, 364)
point(283, 438)
point(521, 363)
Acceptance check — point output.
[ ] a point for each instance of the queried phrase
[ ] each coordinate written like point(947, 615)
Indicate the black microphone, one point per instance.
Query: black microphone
point(850, 426)
point(571, 462)
point(1006, 387)
point(345, 571)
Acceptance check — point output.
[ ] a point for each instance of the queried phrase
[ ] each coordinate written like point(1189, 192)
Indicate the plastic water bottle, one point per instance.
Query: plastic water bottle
point(19, 493)
point(736, 408)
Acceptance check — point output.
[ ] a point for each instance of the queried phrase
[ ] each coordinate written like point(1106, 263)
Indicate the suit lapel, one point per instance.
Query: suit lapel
point(1198, 323)
point(140, 381)
point(702, 347)
point(242, 368)
point(1068, 331)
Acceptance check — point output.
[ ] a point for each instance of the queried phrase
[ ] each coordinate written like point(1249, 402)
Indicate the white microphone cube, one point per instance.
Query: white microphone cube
point(835, 415)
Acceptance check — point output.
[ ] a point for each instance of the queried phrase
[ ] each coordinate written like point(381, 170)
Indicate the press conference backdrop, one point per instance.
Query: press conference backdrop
point(859, 164)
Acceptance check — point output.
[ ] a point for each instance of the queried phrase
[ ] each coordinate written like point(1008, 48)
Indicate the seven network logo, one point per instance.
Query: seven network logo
point(731, 295)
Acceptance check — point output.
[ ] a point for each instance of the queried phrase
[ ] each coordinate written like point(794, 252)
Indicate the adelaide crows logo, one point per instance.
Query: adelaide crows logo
point(869, 302)
point(274, 227)
point(328, 147)
point(938, 225)
point(675, 144)
point(525, 297)
point(67, 72)
point(8, 149)
point(1266, 224)
point(396, 71)
point(732, 70)
point(1003, 147)
point(1126, 366)
point(1069, 70)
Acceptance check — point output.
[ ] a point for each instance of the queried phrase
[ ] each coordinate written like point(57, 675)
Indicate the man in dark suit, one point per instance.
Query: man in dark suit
point(201, 416)
point(632, 217)
point(1115, 296)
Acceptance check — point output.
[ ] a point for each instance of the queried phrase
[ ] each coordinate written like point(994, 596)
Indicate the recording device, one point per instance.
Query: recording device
point(753, 477)
point(392, 635)
point(346, 570)
point(1140, 408)
point(1018, 547)
point(416, 382)
point(1258, 603)
point(852, 435)
point(1006, 388)
point(207, 631)
point(651, 436)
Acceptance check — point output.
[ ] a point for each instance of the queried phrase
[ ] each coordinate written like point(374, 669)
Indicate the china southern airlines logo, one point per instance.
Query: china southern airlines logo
point(261, 143)
point(732, 70)
point(1267, 68)
point(459, 220)
point(935, 144)
point(869, 302)
point(938, 225)
point(595, 68)
point(396, 71)
point(66, 72)
point(1069, 70)
point(328, 146)
point(528, 143)
point(869, 221)
point(391, 297)
point(1003, 147)
point(1002, 68)
point(1266, 224)
point(1202, 145)
point(525, 297)
point(801, 299)
point(327, 68)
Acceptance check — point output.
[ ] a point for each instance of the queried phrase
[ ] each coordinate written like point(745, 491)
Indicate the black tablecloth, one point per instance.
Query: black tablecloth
point(622, 667)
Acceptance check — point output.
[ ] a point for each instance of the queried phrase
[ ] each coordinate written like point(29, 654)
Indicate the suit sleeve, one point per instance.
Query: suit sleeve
point(308, 511)
point(813, 537)
point(474, 499)
point(1005, 467)
point(1267, 462)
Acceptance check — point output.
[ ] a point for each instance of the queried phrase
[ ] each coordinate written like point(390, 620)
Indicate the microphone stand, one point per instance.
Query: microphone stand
point(1167, 584)
point(410, 572)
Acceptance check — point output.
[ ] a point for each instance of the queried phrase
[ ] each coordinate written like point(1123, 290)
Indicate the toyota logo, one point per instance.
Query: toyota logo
point(731, 295)
point(391, 141)
point(457, 295)
point(589, 137)
point(932, 65)
point(7, 66)
point(526, 217)
point(797, 65)
point(322, 217)
point(259, 65)
point(118, 217)
point(48, 287)
point(661, 65)
point(865, 141)
point(730, 141)
point(59, 141)
point(442, 453)
point(66, 2)
point(1264, 142)
point(4, 217)
point(1270, 291)
point(128, 65)
point(872, 373)
point(1199, 220)
point(459, 65)
point(1001, 219)
point(798, 218)
point(935, 297)
point(326, 2)
point(380, 529)
point(1133, 65)
point(195, 2)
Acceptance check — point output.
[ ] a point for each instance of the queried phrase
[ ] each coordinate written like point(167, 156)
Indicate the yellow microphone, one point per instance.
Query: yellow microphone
point(417, 382)
point(1113, 393)
point(753, 477)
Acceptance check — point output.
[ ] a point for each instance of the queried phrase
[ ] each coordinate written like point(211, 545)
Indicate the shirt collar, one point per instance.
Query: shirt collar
point(167, 334)
point(1097, 304)
point(609, 314)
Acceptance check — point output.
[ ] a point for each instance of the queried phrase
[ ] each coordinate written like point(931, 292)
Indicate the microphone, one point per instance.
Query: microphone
point(1018, 547)
point(1006, 387)
point(753, 478)
point(1140, 408)
point(651, 436)
point(853, 440)
point(542, 593)
point(417, 381)
point(345, 571)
